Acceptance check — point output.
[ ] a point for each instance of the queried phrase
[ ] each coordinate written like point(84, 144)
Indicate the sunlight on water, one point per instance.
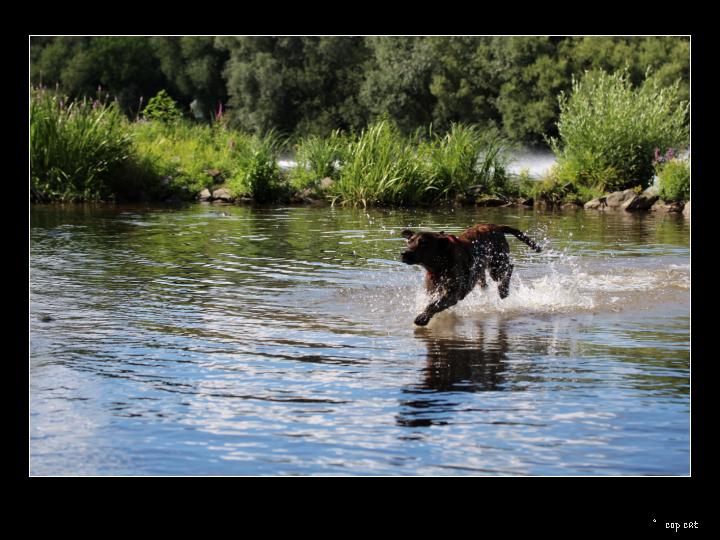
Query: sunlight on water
point(231, 340)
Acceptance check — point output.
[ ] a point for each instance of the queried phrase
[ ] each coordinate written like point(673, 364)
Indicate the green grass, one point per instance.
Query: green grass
point(77, 149)
point(188, 157)
point(381, 166)
point(258, 174)
point(87, 150)
point(462, 158)
point(318, 158)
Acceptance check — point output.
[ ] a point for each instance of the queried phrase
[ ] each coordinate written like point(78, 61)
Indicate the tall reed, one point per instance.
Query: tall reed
point(258, 171)
point(318, 158)
point(384, 167)
point(463, 158)
point(381, 167)
point(77, 148)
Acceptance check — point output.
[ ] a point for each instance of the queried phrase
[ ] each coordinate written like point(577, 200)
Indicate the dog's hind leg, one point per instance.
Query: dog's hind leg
point(481, 279)
point(504, 285)
point(501, 271)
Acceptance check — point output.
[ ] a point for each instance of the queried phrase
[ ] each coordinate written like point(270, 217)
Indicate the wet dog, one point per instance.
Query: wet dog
point(455, 264)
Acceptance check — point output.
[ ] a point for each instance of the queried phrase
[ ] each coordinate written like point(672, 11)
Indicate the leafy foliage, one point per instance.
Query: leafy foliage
point(162, 108)
point(314, 85)
point(608, 129)
point(674, 181)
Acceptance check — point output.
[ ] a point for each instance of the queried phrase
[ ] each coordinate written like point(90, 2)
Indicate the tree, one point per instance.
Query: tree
point(397, 81)
point(193, 68)
point(308, 84)
point(125, 67)
point(667, 57)
point(531, 77)
point(464, 83)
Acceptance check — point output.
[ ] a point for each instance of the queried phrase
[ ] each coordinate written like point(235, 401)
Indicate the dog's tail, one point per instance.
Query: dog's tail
point(521, 236)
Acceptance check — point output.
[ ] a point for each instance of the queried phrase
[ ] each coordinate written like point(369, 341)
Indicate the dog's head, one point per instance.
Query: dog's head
point(425, 248)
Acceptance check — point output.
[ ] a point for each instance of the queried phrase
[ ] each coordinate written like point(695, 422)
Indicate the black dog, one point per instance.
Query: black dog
point(455, 264)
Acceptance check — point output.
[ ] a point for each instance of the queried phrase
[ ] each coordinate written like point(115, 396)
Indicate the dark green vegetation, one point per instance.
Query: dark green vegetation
point(390, 120)
point(315, 85)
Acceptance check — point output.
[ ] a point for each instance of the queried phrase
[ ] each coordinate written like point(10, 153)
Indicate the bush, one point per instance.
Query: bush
point(77, 148)
point(557, 188)
point(258, 174)
point(608, 130)
point(674, 181)
point(162, 108)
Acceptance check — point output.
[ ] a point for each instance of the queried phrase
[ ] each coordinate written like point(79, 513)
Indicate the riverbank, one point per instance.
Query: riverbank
point(621, 201)
point(87, 151)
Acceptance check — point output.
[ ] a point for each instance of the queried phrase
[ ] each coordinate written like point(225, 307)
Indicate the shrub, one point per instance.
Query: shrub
point(608, 129)
point(524, 185)
point(674, 181)
point(556, 188)
point(162, 108)
point(258, 174)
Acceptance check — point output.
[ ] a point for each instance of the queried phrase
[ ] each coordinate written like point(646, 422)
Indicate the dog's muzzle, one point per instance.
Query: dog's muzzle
point(408, 257)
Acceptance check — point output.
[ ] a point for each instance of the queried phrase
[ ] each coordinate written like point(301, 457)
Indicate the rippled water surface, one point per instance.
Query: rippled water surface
point(224, 340)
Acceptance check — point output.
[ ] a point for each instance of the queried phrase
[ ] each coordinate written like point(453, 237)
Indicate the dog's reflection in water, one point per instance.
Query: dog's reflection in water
point(454, 364)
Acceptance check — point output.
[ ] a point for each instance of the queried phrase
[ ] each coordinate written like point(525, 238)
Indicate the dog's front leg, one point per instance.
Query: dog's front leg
point(435, 307)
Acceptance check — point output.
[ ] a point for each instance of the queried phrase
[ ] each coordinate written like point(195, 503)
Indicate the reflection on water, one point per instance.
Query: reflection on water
point(454, 365)
point(230, 340)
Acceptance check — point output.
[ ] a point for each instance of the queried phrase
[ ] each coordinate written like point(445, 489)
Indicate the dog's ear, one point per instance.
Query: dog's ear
point(407, 233)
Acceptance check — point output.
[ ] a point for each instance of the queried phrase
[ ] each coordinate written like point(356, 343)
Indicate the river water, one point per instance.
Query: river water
point(228, 340)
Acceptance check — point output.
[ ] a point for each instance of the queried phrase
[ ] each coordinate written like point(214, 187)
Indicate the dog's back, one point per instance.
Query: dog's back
point(483, 232)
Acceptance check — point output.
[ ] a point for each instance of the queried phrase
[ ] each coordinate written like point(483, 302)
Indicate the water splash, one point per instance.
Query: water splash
point(563, 283)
